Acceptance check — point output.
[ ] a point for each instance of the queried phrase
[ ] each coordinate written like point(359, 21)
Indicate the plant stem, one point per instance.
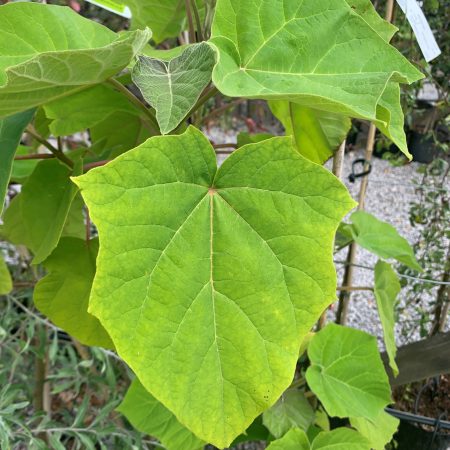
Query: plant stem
point(222, 109)
point(207, 94)
point(93, 165)
point(227, 145)
point(354, 288)
point(198, 23)
point(34, 156)
point(190, 22)
point(152, 124)
point(56, 152)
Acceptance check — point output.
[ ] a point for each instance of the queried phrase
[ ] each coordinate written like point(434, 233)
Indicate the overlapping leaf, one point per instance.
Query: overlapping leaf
point(11, 130)
point(173, 87)
point(207, 277)
point(58, 52)
point(347, 373)
point(378, 432)
point(149, 416)
point(37, 216)
point(294, 439)
point(317, 134)
point(382, 239)
point(292, 410)
point(63, 295)
point(387, 288)
point(290, 50)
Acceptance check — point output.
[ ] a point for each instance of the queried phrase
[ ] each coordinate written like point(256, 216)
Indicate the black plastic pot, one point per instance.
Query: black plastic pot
point(411, 437)
point(422, 147)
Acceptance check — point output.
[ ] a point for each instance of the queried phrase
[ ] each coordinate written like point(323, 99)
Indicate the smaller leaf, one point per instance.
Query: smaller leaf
point(382, 239)
point(387, 287)
point(247, 138)
point(379, 432)
point(150, 416)
point(347, 373)
point(294, 439)
point(22, 169)
point(340, 439)
point(173, 87)
point(11, 130)
point(36, 217)
point(292, 410)
point(5, 278)
point(63, 295)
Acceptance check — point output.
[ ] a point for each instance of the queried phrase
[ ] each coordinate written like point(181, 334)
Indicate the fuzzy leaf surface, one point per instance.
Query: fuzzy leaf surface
point(292, 410)
point(207, 276)
point(11, 130)
point(317, 134)
point(347, 373)
point(173, 87)
point(150, 416)
point(387, 288)
point(37, 216)
point(382, 239)
point(63, 294)
point(289, 50)
point(49, 51)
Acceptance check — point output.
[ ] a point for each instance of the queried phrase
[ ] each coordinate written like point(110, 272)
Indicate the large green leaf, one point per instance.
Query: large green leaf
point(206, 277)
point(292, 410)
point(5, 278)
point(379, 432)
point(294, 439)
point(347, 373)
point(22, 169)
point(166, 18)
point(317, 134)
point(149, 416)
point(173, 87)
point(36, 217)
point(290, 50)
point(11, 130)
point(63, 295)
point(382, 239)
point(47, 52)
point(338, 439)
point(387, 288)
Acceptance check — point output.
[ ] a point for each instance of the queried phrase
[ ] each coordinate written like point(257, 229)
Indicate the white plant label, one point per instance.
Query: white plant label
point(113, 6)
point(421, 28)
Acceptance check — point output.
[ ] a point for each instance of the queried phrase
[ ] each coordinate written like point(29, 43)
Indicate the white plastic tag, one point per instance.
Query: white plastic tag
point(113, 6)
point(421, 28)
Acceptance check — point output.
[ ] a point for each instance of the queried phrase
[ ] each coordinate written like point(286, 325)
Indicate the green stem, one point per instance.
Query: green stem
point(190, 22)
point(198, 23)
point(153, 125)
point(56, 152)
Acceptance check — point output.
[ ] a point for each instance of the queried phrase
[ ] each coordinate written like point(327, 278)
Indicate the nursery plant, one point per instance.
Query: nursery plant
point(206, 280)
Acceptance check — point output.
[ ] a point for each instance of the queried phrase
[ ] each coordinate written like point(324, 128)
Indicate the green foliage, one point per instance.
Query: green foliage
point(382, 239)
point(5, 278)
point(63, 295)
point(387, 287)
point(36, 217)
point(208, 232)
point(11, 130)
point(294, 439)
point(173, 87)
point(150, 416)
point(317, 134)
point(57, 53)
point(338, 76)
point(292, 410)
point(378, 432)
point(347, 373)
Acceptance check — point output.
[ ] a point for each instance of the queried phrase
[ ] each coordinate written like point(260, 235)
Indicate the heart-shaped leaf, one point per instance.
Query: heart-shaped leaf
point(58, 52)
point(63, 295)
point(290, 50)
point(173, 87)
point(206, 277)
point(347, 373)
